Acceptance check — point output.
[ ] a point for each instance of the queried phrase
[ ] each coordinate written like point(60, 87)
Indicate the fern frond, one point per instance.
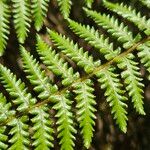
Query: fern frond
point(132, 78)
point(19, 133)
point(42, 128)
point(130, 14)
point(65, 121)
point(89, 3)
point(16, 88)
point(36, 76)
point(144, 49)
point(55, 63)
point(3, 138)
point(129, 66)
point(65, 6)
point(39, 10)
point(73, 51)
point(22, 18)
point(113, 26)
point(95, 39)
point(85, 109)
point(5, 111)
point(144, 55)
point(114, 95)
point(145, 2)
point(4, 25)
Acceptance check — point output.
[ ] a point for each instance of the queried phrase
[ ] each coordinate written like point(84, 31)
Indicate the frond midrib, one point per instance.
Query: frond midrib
point(81, 79)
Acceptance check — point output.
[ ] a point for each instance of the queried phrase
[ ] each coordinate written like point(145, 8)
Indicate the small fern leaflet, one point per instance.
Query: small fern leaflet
point(4, 25)
point(21, 11)
point(39, 10)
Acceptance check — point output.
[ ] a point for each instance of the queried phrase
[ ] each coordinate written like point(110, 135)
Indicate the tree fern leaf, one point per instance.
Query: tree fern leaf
point(122, 34)
point(114, 27)
point(131, 73)
point(146, 3)
point(19, 133)
point(3, 138)
point(95, 39)
point(42, 128)
point(39, 10)
point(4, 25)
point(36, 76)
point(85, 109)
point(144, 55)
point(132, 78)
point(16, 88)
point(114, 95)
point(21, 11)
point(55, 63)
point(73, 51)
point(5, 111)
point(65, 6)
point(65, 122)
point(89, 3)
point(130, 14)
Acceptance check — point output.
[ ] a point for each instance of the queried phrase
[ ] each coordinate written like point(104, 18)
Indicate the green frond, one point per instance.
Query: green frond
point(132, 79)
point(145, 2)
point(129, 66)
point(65, 6)
point(19, 133)
point(144, 55)
point(55, 63)
point(39, 10)
point(3, 138)
point(73, 51)
point(93, 37)
point(113, 26)
point(5, 109)
point(4, 25)
point(130, 14)
point(36, 76)
point(22, 18)
point(114, 95)
point(89, 3)
point(16, 88)
point(65, 125)
point(85, 109)
point(42, 128)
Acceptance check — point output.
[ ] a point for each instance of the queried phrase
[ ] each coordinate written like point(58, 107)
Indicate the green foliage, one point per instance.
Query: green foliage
point(115, 95)
point(19, 133)
point(24, 12)
point(69, 100)
point(36, 76)
point(146, 3)
point(71, 50)
point(94, 39)
point(3, 138)
point(42, 127)
point(5, 111)
point(144, 55)
point(65, 121)
point(55, 63)
point(89, 3)
point(131, 75)
point(65, 6)
point(85, 109)
point(21, 18)
point(4, 26)
point(129, 13)
point(39, 10)
point(16, 89)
